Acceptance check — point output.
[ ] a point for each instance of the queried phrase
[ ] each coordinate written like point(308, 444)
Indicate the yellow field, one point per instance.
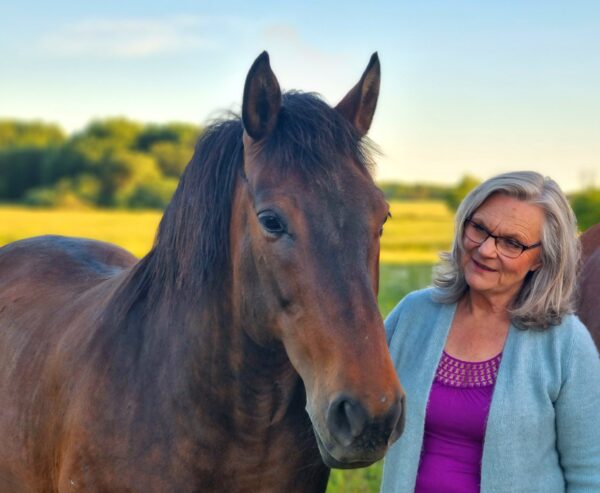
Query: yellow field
point(416, 232)
point(133, 231)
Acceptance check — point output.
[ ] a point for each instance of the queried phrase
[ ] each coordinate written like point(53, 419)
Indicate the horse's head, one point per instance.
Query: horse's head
point(306, 226)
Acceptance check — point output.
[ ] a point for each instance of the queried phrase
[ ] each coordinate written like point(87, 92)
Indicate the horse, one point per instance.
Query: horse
point(244, 352)
point(589, 281)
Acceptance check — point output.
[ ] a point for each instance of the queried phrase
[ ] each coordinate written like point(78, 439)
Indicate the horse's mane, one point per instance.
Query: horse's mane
point(191, 254)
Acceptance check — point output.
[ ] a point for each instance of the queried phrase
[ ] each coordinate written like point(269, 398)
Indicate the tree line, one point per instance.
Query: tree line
point(118, 162)
point(111, 163)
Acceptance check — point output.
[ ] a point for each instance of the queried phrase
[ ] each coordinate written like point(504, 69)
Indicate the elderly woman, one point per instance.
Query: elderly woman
point(502, 380)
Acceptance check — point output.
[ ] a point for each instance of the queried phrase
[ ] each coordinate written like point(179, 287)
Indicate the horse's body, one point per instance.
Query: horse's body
point(589, 282)
point(243, 352)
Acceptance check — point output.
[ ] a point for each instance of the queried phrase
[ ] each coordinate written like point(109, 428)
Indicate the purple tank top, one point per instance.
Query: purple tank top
point(455, 423)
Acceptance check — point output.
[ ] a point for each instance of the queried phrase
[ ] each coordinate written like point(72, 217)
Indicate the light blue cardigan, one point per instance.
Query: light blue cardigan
point(543, 430)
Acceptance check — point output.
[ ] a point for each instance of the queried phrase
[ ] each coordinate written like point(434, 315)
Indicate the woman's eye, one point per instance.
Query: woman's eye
point(271, 223)
point(512, 244)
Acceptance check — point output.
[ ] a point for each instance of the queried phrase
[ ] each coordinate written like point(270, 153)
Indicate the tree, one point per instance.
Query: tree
point(20, 170)
point(24, 148)
point(459, 192)
point(15, 133)
point(586, 206)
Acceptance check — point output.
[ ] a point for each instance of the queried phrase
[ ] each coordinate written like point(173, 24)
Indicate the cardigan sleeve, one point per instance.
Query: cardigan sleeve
point(578, 415)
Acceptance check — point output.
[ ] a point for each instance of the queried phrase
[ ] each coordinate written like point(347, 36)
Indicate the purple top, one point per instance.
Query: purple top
point(455, 422)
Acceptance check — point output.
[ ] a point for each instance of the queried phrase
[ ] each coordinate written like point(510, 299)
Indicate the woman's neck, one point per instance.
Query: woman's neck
point(480, 306)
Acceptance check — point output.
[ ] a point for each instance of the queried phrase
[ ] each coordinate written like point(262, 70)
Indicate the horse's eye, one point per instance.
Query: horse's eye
point(271, 223)
point(388, 215)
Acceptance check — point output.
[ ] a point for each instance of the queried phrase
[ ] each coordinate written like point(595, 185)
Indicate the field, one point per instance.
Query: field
point(412, 239)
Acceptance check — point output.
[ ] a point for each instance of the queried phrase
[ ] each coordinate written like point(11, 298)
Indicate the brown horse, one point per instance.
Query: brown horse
point(589, 282)
point(245, 352)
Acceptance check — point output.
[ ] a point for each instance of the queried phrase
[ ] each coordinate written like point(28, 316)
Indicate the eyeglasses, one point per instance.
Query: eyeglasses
point(507, 247)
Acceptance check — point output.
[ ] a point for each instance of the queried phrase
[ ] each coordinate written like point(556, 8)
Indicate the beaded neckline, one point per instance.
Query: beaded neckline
point(457, 373)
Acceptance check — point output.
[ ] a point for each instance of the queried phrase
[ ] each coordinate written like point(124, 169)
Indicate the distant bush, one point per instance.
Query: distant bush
point(586, 206)
point(150, 194)
point(456, 194)
point(53, 197)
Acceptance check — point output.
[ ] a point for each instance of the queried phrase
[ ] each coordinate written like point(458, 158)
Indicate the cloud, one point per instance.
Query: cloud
point(129, 38)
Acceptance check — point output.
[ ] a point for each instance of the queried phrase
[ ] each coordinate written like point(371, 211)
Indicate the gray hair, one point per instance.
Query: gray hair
point(547, 293)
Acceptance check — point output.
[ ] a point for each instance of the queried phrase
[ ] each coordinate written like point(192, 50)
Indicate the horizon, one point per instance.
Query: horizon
point(467, 89)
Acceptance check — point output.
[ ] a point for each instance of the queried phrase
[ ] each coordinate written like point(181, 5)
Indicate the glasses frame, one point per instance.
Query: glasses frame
point(496, 238)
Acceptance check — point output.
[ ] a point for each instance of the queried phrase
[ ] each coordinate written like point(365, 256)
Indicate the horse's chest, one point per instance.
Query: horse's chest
point(284, 466)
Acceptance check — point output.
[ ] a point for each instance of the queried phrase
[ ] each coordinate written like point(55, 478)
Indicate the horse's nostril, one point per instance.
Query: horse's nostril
point(399, 420)
point(346, 419)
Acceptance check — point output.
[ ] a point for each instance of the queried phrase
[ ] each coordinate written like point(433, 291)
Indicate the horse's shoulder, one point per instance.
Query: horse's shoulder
point(61, 256)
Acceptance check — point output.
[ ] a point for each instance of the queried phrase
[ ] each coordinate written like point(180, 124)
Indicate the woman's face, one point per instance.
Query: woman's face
point(489, 272)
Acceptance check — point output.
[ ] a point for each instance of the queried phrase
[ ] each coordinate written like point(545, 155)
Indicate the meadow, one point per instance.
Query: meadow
point(412, 240)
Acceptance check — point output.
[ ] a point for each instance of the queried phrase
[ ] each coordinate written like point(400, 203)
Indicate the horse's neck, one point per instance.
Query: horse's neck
point(193, 332)
point(234, 406)
point(254, 384)
point(253, 402)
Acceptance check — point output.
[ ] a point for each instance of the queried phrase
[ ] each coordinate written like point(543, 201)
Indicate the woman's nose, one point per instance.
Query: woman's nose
point(488, 247)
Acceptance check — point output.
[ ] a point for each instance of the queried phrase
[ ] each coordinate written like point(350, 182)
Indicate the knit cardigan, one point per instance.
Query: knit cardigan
point(543, 428)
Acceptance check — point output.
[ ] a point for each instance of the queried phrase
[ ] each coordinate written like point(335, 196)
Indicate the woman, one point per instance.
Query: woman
point(502, 380)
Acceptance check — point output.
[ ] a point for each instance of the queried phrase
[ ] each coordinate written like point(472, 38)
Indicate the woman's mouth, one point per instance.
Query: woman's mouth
point(483, 267)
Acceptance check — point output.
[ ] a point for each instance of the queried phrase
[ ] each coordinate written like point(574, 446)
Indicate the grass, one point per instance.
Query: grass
point(410, 246)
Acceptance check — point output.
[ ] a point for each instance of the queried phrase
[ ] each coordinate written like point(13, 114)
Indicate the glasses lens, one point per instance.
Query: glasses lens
point(508, 248)
point(475, 232)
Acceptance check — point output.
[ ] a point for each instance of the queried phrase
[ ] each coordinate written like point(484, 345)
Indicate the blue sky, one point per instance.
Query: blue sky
point(475, 87)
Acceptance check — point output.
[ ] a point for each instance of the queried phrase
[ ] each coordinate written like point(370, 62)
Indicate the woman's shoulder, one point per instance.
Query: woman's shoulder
point(568, 340)
point(569, 331)
point(415, 302)
point(415, 308)
point(575, 335)
point(419, 298)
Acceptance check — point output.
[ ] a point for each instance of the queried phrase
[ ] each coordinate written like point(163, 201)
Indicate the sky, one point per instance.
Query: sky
point(468, 87)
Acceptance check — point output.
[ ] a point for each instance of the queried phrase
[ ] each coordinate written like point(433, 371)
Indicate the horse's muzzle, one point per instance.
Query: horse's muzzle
point(357, 439)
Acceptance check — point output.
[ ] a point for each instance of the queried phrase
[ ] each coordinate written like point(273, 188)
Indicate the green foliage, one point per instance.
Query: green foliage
point(171, 157)
point(178, 133)
point(120, 132)
point(150, 194)
point(20, 169)
point(113, 162)
point(413, 191)
point(460, 191)
point(453, 196)
point(586, 205)
point(29, 134)
point(24, 148)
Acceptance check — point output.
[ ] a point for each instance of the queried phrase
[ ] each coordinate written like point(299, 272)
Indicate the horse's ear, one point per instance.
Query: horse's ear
point(358, 106)
point(262, 99)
